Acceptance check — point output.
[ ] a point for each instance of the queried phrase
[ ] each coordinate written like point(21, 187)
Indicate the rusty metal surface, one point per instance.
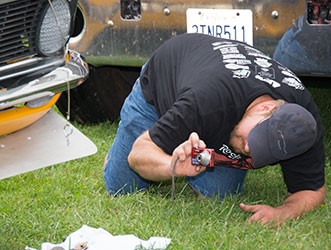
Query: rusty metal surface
point(108, 39)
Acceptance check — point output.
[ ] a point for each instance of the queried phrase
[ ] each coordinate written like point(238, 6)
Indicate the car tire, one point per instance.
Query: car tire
point(101, 96)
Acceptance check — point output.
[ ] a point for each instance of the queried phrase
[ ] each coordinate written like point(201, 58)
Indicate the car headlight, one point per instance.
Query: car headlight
point(54, 27)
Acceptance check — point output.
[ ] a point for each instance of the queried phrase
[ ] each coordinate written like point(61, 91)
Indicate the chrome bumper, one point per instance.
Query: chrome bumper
point(71, 74)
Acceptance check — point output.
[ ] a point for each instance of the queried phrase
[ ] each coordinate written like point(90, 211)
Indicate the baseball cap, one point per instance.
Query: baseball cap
point(290, 131)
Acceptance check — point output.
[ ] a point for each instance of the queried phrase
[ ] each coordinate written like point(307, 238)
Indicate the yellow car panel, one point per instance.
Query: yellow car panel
point(17, 118)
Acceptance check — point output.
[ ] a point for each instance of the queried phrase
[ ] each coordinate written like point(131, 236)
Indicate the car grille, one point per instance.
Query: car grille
point(18, 26)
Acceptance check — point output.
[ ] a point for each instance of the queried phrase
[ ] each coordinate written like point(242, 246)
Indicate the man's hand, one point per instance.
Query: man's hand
point(152, 163)
point(184, 166)
point(264, 214)
point(294, 206)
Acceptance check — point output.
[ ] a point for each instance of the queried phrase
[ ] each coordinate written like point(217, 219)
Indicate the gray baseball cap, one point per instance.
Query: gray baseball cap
point(290, 131)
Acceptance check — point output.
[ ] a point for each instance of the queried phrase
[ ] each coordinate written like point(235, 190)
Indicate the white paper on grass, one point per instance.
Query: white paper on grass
point(100, 239)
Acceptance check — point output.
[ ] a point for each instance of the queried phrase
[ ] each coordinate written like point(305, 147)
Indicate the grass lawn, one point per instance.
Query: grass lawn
point(50, 203)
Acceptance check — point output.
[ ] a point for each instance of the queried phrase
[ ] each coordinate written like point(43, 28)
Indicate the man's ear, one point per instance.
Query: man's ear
point(266, 107)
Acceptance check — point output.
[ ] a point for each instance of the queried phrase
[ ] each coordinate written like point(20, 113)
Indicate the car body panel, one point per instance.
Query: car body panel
point(17, 118)
point(108, 39)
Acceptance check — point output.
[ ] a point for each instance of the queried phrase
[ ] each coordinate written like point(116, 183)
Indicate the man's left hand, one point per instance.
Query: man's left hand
point(264, 214)
point(294, 206)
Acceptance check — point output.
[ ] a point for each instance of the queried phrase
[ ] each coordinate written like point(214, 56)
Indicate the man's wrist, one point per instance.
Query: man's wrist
point(285, 211)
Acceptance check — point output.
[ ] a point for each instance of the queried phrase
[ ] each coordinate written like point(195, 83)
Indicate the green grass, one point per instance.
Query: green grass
point(50, 203)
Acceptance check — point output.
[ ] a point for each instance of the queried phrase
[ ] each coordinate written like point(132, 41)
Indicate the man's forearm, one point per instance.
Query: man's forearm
point(148, 160)
point(293, 207)
point(301, 202)
point(152, 163)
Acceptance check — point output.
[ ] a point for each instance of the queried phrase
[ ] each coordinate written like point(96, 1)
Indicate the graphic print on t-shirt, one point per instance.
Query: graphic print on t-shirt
point(291, 79)
point(265, 72)
point(233, 59)
point(240, 65)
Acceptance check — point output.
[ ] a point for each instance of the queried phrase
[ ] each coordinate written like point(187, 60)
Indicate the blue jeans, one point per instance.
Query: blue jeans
point(138, 116)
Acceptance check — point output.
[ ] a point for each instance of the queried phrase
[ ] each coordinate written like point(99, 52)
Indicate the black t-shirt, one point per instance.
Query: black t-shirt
point(203, 84)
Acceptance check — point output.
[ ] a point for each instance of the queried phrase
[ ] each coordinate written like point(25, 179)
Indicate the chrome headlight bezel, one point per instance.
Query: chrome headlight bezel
point(53, 32)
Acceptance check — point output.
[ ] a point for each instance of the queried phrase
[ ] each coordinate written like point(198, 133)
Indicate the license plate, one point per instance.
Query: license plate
point(226, 23)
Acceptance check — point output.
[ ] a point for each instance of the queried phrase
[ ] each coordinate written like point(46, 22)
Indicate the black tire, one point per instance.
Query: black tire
point(101, 96)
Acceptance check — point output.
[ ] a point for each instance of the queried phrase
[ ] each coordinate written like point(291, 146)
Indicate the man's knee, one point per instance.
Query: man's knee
point(121, 179)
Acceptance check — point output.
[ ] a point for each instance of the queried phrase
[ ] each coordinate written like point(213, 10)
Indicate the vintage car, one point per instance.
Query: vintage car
point(118, 36)
point(35, 67)
point(35, 63)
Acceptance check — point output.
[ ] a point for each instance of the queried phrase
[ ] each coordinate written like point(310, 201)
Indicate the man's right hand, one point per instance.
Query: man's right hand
point(183, 152)
point(152, 163)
